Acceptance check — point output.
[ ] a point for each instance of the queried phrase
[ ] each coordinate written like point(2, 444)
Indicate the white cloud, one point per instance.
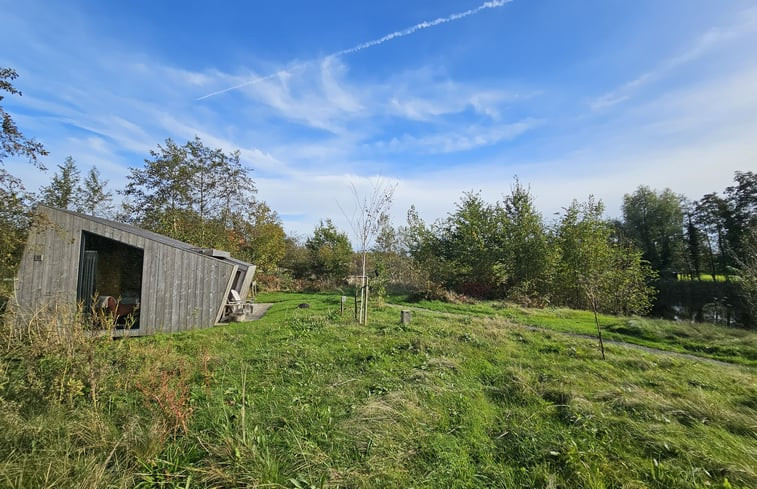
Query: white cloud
point(456, 140)
point(447, 98)
point(370, 44)
point(714, 39)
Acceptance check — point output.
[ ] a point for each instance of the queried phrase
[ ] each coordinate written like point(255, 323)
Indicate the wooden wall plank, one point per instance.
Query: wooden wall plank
point(180, 288)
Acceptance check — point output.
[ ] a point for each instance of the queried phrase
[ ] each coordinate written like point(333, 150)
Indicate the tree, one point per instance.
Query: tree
point(14, 200)
point(93, 197)
point(14, 222)
point(297, 256)
point(189, 192)
point(467, 246)
point(370, 210)
point(654, 221)
point(263, 238)
point(747, 271)
point(158, 193)
point(418, 243)
point(694, 250)
point(415, 237)
point(525, 260)
point(63, 190)
point(742, 203)
point(594, 272)
point(330, 251)
point(712, 216)
point(12, 141)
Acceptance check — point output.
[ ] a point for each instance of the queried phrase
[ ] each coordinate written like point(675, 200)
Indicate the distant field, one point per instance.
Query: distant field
point(706, 277)
point(465, 396)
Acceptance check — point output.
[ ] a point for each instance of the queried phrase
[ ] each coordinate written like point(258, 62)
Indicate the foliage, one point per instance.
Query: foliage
point(654, 221)
point(504, 250)
point(296, 257)
point(94, 199)
point(262, 239)
point(713, 217)
point(189, 192)
point(694, 255)
point(14, 223)
point(330, 252)
point(12, 141)
point(592, 270)
point(524, 244)
point(747, 271)
point(742, 200)
point(67, 191)
point(62, 190)
point(14, 199)
point(206, 197)
point(466, 245)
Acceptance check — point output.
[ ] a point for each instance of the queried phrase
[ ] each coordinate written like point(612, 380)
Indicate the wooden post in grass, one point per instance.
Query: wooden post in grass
point(405, 316)
point(341, 305)
point(366, 290)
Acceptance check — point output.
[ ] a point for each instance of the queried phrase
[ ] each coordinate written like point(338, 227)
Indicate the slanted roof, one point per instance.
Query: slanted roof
point(160, 238)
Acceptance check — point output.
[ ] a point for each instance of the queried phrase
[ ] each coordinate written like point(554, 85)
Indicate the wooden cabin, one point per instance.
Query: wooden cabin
point(148, 282)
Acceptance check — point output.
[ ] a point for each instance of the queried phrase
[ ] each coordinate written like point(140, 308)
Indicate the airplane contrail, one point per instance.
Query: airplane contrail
point(376, 42)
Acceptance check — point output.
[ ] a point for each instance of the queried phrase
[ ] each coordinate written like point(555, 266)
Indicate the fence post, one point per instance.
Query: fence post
point(405, 316)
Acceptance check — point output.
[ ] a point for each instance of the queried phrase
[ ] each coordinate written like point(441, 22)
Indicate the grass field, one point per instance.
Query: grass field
point(464, 397)
point(721, 343)
point(707, 277)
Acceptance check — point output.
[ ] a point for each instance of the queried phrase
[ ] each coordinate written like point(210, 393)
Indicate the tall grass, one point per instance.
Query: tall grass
point(308, 398)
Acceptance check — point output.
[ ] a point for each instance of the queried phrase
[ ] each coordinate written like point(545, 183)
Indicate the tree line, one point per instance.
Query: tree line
point(582, 259)
point(504, 249)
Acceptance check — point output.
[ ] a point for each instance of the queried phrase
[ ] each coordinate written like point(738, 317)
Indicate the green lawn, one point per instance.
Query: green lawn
point(718, 342)
point(307, 398)
point(707, 277)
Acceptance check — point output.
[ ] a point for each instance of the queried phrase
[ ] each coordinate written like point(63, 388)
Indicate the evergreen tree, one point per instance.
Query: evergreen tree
point(330, 251)
point(63, 190)
point(93, 197)
point(468, 247)
point(693, 245)
point(524, 244)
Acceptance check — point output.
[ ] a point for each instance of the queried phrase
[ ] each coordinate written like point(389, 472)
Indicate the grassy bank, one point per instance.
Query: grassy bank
point(707, 340)
point(307, 398)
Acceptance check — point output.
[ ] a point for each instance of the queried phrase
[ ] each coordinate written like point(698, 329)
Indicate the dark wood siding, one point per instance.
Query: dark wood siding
point(181, 289)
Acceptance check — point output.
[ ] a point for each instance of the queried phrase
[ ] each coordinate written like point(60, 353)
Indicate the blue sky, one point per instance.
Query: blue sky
point(575, 97)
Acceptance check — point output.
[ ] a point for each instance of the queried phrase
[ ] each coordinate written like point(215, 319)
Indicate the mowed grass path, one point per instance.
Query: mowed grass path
point(308, 398)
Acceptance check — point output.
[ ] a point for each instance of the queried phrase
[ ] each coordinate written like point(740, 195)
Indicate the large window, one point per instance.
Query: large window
point(110, 280)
